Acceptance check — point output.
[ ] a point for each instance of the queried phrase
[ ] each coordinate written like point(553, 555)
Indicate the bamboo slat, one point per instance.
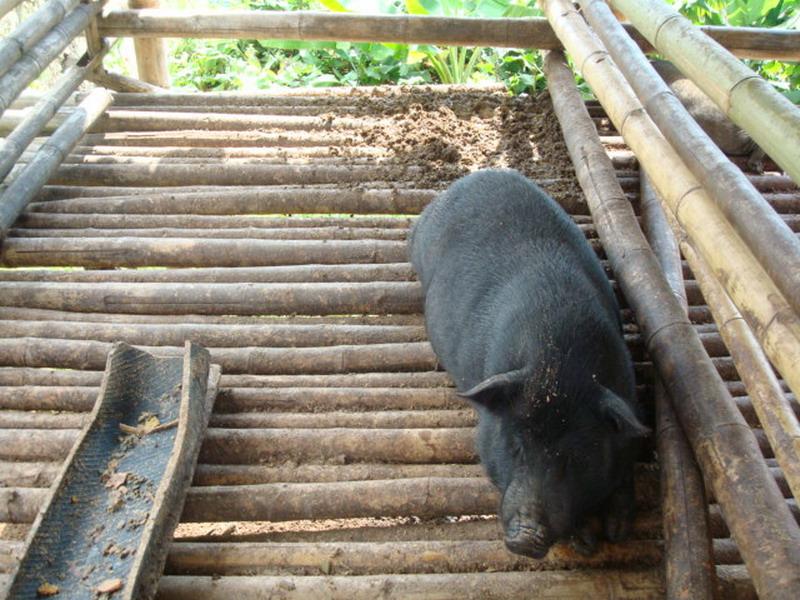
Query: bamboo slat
point(774, 410)
point(724, 445)
point(768, 237)
point(767, 311)
point(151, 54)
point(750, 102)
point(30, 180)
point(405, 29)
point(687, 544)
point(27, 68)
point(18, 42)
point(14, 144)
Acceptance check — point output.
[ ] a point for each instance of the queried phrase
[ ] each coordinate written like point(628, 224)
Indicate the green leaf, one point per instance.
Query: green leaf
point(414, 7)
point(333, 5)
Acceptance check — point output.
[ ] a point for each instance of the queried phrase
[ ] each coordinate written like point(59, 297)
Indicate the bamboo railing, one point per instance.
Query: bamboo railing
point(752, 103)
point(408, 29)
point(768, 536)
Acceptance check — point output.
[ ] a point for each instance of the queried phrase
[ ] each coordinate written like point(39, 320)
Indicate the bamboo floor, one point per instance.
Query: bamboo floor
point(338, 462)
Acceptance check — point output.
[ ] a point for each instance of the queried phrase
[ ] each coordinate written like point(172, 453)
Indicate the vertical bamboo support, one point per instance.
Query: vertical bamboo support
point(688, 558)
point(725, 447)
point(750, 102)
point(761, 228)
point(30, 180)
point(151, 54)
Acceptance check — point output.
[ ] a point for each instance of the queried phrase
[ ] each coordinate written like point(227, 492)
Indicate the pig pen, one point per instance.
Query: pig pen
point(271, 228)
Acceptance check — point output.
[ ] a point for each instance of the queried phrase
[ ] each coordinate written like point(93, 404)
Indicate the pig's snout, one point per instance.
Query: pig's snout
point(528, 538)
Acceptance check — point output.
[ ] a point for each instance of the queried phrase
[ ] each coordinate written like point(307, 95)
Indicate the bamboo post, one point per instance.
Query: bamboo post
point(405, 29)
point(768, 237)
point(687, 543)
point(30, 65)
point(724, 445)
point(774, 410)
point(27, 184)
point(750, 102)
point(151, 53)
point(14, 144)
point(15, 44)
point(767, 311)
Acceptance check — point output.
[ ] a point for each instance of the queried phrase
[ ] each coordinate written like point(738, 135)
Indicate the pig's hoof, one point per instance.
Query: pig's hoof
point(584, 543)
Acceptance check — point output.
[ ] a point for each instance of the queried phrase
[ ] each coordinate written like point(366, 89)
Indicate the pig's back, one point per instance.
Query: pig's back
point(503, 267)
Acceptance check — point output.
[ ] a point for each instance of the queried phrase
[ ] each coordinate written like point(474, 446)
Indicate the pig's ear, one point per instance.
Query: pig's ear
point(619, 413)
point(488, 389)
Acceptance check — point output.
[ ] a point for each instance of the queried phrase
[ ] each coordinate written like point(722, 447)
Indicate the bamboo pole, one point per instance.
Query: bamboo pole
point(767, 311)
point(771, 241)
point(627, 584)
point(73, 354)
point(14, 144)
point(724, 445)
point(18, 42)
point(27, 68)
point(687, 544)
point(367, 558)
point(27, 184)
point(750, 102)
point(122, 83)
point(374, 419)
point(282, 233)
point(774, 410)
point(273, 200)
point(404, 29)
point(151, 54)
point(188, 252)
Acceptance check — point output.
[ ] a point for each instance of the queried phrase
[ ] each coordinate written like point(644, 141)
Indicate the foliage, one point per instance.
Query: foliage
point(237, 64)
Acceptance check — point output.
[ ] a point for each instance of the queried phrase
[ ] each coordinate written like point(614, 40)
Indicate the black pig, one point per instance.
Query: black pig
point(522, 317)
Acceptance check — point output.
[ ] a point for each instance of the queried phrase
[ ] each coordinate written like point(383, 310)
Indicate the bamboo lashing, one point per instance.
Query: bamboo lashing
point(767, 312)
point(750, 102)
point(30, 180)
point(768, 237)
point(405, 29)
point(767, 534)
point(14, 144)
point(31, 64)
point(151, 53)
point(689, 562)
point(15, 44)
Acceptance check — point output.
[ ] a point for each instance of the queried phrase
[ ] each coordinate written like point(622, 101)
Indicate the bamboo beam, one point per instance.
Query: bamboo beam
point(18, 42)
point(767, 311)
point(404, 29)
point(30, 180)
point(687, 544)
point(771, 241)
point(31, 64)
point(750, 102)
point(151, 54)
point(724, 445)
point(14, 144)
point(774, 410)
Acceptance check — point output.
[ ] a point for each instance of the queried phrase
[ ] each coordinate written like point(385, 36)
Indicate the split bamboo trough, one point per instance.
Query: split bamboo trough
point(271, 228)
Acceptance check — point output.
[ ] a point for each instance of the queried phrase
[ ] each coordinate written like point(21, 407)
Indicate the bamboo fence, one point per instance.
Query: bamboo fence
point(768, 237)
point(767, 311)
point(764, 528)
point(750, 102)
point(407, 29)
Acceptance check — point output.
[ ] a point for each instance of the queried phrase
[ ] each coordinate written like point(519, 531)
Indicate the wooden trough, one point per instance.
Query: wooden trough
point(270, 227)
